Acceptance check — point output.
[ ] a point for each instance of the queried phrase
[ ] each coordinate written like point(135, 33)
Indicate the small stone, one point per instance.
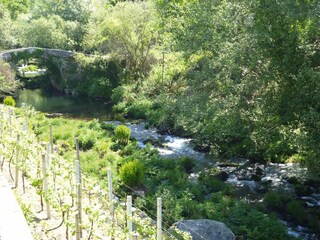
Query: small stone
point(258, 170)
point(293, 180)
point(223, 176)
point(255, 177)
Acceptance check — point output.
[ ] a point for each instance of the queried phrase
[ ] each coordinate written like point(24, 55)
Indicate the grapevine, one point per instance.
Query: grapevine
point(54, 180)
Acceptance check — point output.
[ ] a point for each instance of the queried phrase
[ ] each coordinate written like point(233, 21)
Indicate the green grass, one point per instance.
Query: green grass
point(166, 178)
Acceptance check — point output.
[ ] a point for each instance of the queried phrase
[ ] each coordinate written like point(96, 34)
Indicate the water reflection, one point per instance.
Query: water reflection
point(53, 102)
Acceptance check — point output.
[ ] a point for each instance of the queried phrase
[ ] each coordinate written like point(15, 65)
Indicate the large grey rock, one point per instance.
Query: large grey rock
point(205, 229)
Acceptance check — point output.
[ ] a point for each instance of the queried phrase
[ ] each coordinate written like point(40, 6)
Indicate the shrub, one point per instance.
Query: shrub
point(101, 87)
point(122, 134)
point(139, 109)
point(118, 94)
point(275, 201)
point(119, 107)
point(132, 173)
point(88, 140)
point(108, 126)
point(187, 164)
point(102, 147)
point(94, 124)
point(297, 211)
point(9, 101)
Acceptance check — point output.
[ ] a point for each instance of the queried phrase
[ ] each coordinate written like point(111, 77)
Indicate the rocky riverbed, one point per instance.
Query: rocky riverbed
point(251, 180)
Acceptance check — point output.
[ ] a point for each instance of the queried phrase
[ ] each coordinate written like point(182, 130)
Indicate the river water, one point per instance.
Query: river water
point(55, 102)
point(240, 172)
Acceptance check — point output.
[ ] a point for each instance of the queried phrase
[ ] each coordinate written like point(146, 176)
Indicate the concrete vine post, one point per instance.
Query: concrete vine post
point(1, 123)
point(48, 155)
point(45, 183)
point(159, 218)
point(9, 116)
point(79, 194)
point(129, 216)
point(26, 125)
point(110, 192)
point(17, 163)
point(111, 201)
point(51, 139)
point(135, 236)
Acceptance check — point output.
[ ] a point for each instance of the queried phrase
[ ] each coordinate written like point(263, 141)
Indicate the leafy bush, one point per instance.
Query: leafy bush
point(120, 107)
point(9, 101)
point(30, 68)
point(122, 134)
point(132, 173)
point(108, 126)
point(118, 94)
point(102, 148)
point(94, 124)
point(101, 87)
point(88, 140)
point(8, 83)
point(139, 109)
point(297, 211)
point(187, 164)
point(275, 201)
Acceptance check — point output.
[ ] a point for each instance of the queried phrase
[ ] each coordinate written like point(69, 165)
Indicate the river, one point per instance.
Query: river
point(240, 171)
point(55, 102)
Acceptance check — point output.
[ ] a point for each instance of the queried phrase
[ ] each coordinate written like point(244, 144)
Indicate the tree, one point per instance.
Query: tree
point(250, 85)
point(8, 38)
point(8, 83)
point(128, 33)
point(50, 32)
point(69, 10)
point(15, 6)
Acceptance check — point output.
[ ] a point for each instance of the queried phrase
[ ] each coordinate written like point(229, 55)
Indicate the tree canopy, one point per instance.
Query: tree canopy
point(239, 76)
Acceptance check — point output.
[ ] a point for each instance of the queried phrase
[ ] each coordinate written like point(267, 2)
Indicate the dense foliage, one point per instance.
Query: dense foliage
point(139, 169)
point(240, 77)
point(8, 84)
point(9, 101)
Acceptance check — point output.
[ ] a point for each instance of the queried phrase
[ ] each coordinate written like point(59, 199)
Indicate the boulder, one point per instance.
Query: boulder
point(313, 182)
point(222, 175)
point(205, 229)
point(293, 180)
point(54, 115)
point(255, 177)
point(258, 170)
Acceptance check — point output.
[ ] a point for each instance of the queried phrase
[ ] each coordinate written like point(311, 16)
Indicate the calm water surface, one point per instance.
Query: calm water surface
point(76, 107)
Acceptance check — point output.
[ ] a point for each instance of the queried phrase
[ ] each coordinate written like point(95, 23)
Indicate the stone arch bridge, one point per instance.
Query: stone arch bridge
point(65, 72)
point(40, 52)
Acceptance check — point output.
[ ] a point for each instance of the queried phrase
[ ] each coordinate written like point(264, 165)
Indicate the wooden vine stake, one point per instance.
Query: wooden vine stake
point(129, 216)
point(45, 183)
point(79, 194)
point(159, 218)
point(17, 163)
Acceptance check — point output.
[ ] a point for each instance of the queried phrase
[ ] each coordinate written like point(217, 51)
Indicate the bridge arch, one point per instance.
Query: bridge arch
point(64, 71)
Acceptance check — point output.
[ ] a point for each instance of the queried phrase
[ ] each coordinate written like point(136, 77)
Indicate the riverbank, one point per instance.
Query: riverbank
point(183, 198)
point(278, 185)
point(177, 170)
